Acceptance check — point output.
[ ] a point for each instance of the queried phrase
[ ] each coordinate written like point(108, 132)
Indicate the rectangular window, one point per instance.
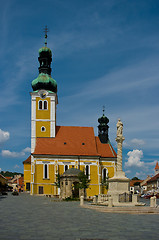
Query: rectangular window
point(46, 171)
point(27, 186)
point(41, 190)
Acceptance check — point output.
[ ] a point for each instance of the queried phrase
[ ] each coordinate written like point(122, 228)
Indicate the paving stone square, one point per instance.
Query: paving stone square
point(26, 217)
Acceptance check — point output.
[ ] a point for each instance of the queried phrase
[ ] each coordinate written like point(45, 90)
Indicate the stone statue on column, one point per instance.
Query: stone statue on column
point(119, 139)
point(118, 184)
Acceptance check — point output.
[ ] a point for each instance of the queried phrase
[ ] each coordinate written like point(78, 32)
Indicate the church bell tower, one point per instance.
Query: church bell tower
point(43, 98)
point(103, 129)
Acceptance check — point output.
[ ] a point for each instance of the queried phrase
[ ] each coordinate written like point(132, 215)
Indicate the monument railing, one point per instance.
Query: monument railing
point(125, 197)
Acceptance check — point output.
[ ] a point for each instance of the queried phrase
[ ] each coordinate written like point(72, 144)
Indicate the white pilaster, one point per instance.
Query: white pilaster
point(53, 115)
point(33, 122)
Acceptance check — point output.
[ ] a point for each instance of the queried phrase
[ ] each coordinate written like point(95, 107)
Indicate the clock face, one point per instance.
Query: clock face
point(43, 94)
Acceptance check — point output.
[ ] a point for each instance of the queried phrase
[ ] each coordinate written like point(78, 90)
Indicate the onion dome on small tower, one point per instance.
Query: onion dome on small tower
point(103, 128)
point(44, 80)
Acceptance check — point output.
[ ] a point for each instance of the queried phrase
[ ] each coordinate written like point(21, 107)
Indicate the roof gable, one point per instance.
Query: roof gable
point(28, 160)
point(154, 178)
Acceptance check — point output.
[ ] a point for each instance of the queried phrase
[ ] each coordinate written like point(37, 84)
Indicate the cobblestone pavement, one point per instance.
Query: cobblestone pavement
point(26, 217)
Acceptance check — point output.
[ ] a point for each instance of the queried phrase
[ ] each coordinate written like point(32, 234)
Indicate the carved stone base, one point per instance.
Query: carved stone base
point(118, 184)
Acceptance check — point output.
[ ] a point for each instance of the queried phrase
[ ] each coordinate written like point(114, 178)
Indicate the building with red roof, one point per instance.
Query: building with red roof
point(54, 149)
point(135, 186)
point(153, 183)
point(157, 168)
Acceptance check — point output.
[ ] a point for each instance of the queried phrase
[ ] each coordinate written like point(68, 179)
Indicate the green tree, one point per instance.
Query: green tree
point(135, 178)
point(83, 180)
point(57, 183)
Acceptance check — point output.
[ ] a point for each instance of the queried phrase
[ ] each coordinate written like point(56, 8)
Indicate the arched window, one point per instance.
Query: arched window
point(46, 171)
point(104, 173)
point(87, 171)
point(66, 167)
point(45, 104)
point(40, 104)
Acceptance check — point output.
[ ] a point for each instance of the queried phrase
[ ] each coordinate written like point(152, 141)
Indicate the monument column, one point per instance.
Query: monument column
point(119, 139)
point(118, 184)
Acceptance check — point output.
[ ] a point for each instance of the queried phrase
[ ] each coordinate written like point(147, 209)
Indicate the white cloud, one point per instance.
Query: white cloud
point(141, 175)
point(27, 149)
point(0, 169)
point(8, 153)
point(4, 136)
point(151, 163)
point(134, 158)
point(136, 141)
point(128, 171)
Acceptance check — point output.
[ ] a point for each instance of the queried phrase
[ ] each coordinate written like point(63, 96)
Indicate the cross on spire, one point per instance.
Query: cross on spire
point(46, 30)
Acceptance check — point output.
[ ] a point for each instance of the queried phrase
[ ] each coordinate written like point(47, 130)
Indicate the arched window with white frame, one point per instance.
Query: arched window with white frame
point(45, 105)
point(104, 174)
point(87, 171)
point(40, 105)
point(46, 171)
point(66, 168)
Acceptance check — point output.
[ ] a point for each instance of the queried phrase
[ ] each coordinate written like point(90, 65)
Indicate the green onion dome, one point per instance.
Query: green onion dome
point(45, 50)
point(44, 81)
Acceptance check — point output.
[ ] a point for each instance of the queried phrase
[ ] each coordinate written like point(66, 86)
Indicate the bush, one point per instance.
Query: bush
point(71, 199)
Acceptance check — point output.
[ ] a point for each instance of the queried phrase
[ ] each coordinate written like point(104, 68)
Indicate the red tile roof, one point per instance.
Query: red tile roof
point(105, 150)
point(132, 182)
point(157, 166)
point(28, 160)
point(8, 178)
point(154, 178)
point(74, 141)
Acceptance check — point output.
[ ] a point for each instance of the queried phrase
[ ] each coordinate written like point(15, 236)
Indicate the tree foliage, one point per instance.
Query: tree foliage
point(135, 178)
point(83, 180)
point(10, 174)
point(57, 183)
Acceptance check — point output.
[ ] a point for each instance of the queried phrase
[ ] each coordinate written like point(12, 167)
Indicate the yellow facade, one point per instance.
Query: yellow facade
point(48, 185)
point(42, 113)
point(27, 175)
point(39, 132)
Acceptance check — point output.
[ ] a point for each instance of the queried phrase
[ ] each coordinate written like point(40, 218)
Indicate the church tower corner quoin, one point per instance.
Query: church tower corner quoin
point(55, 149)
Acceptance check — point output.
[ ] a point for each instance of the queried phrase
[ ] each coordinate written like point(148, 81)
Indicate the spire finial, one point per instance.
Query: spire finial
point(46, 30)
point(103, 109)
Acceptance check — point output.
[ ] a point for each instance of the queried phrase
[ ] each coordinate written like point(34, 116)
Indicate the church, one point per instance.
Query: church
point(55, 149)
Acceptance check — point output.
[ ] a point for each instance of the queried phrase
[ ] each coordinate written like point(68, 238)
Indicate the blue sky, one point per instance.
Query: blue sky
point(105, 53)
